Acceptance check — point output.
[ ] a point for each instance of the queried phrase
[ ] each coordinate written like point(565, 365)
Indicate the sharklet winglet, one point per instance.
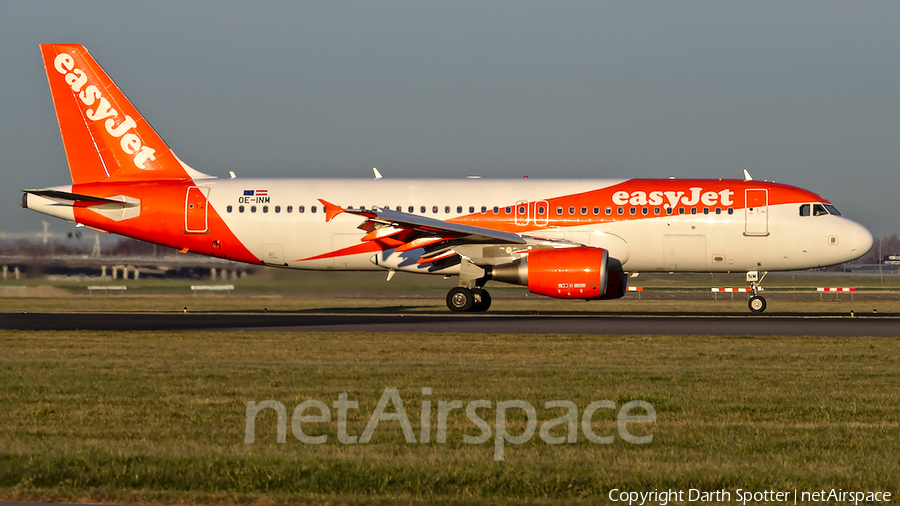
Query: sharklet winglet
point(331, 210)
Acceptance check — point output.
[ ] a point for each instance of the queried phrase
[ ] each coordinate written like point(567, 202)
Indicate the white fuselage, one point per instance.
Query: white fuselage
point(711, 242)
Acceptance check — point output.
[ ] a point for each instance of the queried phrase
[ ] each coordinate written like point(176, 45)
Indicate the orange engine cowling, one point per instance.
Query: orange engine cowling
point(568, 273)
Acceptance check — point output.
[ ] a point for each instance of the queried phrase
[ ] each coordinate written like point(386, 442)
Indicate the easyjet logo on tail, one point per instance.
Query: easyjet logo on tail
point(674, 198)
point(99, 109)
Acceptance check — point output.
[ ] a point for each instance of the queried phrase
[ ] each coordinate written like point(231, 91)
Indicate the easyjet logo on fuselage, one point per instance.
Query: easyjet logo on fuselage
point(90, 95)
point(695, 196)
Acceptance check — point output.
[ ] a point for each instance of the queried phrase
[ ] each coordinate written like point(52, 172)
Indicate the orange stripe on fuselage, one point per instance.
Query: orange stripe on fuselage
point(637, 193)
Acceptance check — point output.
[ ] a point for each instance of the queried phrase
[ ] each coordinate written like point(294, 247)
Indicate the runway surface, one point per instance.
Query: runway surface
point(829, 325)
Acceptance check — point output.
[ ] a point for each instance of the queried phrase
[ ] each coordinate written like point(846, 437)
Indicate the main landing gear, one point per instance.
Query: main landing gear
point(757, 302)
point(470, 296)
point(462, 300)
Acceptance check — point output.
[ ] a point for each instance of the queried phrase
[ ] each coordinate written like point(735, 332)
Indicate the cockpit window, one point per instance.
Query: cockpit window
point(818, 210)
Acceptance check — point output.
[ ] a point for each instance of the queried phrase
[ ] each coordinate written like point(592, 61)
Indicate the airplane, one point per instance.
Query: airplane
point(564, 238)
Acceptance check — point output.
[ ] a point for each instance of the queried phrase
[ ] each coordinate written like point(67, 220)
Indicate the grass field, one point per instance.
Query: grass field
point(160, 417)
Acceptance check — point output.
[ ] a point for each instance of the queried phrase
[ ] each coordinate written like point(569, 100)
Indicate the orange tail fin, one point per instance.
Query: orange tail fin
point(105, 137)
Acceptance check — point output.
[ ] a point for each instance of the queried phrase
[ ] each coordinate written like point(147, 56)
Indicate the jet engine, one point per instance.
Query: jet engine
point(568, 273)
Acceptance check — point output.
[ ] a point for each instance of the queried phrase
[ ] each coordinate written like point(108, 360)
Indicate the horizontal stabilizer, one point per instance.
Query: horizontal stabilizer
point(74, 199)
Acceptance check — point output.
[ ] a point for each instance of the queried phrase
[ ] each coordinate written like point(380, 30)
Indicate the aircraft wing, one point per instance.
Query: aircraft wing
point(419, 231)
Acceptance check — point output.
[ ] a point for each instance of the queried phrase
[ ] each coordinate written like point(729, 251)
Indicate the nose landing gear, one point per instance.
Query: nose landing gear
point(757, 303)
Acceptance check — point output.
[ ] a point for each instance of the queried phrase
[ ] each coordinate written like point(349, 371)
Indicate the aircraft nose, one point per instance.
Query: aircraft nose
point(861, 239)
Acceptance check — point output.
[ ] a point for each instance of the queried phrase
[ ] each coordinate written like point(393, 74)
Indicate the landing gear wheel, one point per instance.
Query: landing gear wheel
point(460, 299)
point(485, 303)
point(757, 304)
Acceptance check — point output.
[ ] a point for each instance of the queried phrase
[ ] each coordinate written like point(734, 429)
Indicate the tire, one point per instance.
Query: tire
point(460, 300)
point(485, 303)
point(757, 304)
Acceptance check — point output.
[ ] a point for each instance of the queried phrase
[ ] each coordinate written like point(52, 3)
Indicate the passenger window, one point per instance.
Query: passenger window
point(240, 209)
point(669, 210)
point(621, 211)
point(312, 209)
point(718, 210)
point(804, 210)
point(541, 210)
point(496, 210)
point(434, 209)
point(252, 209)
point(508, 209)
point(583, 210)
point(656, 211)
point(608, 210)
point(571, 210)
point(483, 209)
point(459, 209)
point(632, 211)
point(730, 210)
point(446, 209)
point(277, 209)
point(559, 211)
point(596, 210)
point(471, 209)
point(705, 210)
point(289, 209)
point(644, 211)
point(228, 209)
point(522, 211)
point(301, 209)
point(680, 210)
point(411, 209)
point(693, 210)
point(422, 209)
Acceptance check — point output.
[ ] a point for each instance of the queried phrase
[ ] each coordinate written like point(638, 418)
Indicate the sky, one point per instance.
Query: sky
point(804, 92)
